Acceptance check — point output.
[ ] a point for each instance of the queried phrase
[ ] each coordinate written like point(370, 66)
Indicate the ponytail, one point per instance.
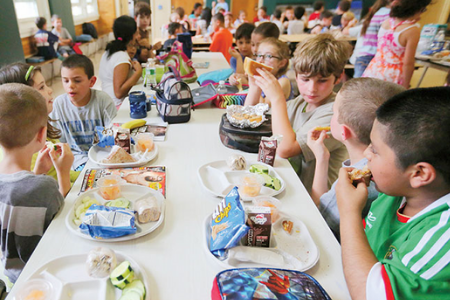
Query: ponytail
point(124, 29)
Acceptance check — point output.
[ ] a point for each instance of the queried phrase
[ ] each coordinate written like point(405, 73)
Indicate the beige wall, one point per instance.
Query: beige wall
point(160, 17)
point(436, 13)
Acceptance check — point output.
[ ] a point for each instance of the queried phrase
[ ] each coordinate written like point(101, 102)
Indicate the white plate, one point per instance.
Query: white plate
point(296, 251)
point(218, 179)
point(97, 154)
point(440, 61)
point(70, 280)
point(131, 192)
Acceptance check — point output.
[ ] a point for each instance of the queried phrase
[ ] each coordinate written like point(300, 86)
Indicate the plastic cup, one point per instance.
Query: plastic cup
point(110, 187)
point(250, 185)
point(144, 141)
point(36, 289)
point(267, 201)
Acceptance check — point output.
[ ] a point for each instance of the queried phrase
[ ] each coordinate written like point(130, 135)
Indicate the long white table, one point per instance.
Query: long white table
point(173, 256)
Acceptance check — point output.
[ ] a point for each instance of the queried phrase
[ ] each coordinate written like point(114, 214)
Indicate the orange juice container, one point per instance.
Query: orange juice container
point(110, 187)
point(144, 141)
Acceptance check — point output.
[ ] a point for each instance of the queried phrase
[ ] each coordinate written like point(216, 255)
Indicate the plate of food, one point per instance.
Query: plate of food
point(99, 274)
point(142, 207)
point(117, 157)
point(253, 178)
point(291, 247)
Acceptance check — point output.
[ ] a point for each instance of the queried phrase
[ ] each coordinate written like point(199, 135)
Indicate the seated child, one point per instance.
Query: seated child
point(348, 21)
point(343, 7)
point(401, 249)
point(142, 16)
point(243, 43)
point(45, 40)
point(276, 19)
point(319, 7)
point(65, 39)
point(274, 53)
point(29, 201)
point(229, 23)
point(318, 63)
point(132, 50)
point(204, 22)
point(195, 15)
point(174, 29)
point(353, 116)
point(261, 15)
point(241, 19)
point(324, 24)
point(32, 76)
point(264, 30)
point(82, 108)
point(297, 25)
point(222, 38)
point(220, 5)
point(288, 16)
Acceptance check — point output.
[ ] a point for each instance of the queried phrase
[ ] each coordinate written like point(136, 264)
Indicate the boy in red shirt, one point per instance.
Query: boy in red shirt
point(222, 38)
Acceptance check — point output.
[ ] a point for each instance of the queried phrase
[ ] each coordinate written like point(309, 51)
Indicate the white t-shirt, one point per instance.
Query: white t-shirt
point(106, 72)
point(296, 27)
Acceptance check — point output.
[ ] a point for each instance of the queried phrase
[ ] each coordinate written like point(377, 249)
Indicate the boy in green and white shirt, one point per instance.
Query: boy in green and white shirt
point(404, 250)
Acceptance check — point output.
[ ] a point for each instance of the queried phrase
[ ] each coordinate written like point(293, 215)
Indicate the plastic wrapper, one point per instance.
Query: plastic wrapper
point(100, 262)
point(103, 222)
point(236, 162)
point(247, 116)
point(103, 137)
point(227, 224)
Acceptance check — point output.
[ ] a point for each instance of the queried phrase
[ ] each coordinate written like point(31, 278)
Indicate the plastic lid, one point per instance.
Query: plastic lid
point(36, 289)
point(222, 82)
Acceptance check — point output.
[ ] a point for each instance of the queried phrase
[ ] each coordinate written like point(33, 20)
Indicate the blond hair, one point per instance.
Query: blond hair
point(23, 112)
point(348, 16)
point(282, 51)
point(321, 55)
point(360, 98)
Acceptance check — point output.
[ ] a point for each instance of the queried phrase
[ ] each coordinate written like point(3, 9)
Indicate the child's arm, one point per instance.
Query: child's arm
point(62, 163)
point(123, 84)
point(239, 62)
point(315, 142)
point(233, 79)
point(412, 39)
point(43, 162)
point(289, 147)
point(254, 93)
point(285, 87)
point(357, 256)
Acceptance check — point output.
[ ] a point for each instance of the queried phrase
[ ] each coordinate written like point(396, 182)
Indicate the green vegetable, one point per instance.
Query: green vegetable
point(131, 296)
point(137, 286)
point(121, 271)
point(267, 180)
point(121, 284)
point(259, 169)
point(276, 184)
point(119, 202)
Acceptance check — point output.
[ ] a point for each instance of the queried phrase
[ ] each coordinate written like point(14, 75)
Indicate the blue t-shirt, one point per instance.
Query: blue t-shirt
point(45, 41)
point(233, 62)
point(328, 204)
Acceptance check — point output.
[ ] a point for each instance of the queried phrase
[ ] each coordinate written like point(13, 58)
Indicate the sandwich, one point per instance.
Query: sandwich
point(251, 65)
point(118, 155)
point(357, 176)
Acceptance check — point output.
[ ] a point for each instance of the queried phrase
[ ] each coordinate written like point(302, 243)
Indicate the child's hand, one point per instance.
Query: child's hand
point(350, 199)
point(233, 79)
point(136, 66)
point(43, 161)
point(62, 160)
point(144, 43)
point(233, 52)
point(315, 142)
point(269, 84)
point(352, 22)
point(157, 46)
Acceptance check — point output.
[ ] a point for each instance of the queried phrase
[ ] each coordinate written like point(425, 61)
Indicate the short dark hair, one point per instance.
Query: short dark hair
point(407, 8)
point(344, 5)
point(289, 7)
point(173, 27)
point(124, 28)
point(418, 122)
point(326, 14)
point(219, 17)
point(244, 31)
point(142, 9)
point(197, 5)
point(267, 29)
point(40, 22)
point(263, 8)
point(299, 11)
point(318, 5)
point(180, 11)
point(277, 13)
point(79, 61)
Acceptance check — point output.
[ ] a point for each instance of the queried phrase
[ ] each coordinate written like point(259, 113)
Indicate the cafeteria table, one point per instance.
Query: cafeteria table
point(173, 256)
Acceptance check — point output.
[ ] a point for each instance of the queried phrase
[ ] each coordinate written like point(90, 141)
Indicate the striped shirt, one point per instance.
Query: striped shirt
point(370, 39)
point(28, 203)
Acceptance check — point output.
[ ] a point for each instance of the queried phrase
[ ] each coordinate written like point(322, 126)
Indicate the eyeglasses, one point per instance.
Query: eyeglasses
point(266, 57)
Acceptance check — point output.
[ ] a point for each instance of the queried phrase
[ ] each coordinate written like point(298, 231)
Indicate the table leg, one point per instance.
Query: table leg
point(425, 69)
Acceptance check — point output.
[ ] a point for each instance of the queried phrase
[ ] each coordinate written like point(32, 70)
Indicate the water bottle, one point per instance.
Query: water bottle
point(150, 74)
point(138, 107)
point(221, 88)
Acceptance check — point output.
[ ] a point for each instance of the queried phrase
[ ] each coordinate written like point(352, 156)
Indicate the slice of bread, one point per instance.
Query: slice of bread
point(357, 176)
point(118, 155)
point(251, 65)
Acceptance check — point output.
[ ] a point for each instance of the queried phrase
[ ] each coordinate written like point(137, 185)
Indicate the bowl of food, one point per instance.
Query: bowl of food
point(110, 187)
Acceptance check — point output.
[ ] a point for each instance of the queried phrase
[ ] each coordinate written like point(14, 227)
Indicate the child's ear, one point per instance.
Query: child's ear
point(92, 81)
point(422, 174)
point(338, 80)
point(41, 136)
point(346, 132)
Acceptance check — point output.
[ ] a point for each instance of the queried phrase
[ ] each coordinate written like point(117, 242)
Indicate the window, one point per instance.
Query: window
point(27, 11)
point(84, 11)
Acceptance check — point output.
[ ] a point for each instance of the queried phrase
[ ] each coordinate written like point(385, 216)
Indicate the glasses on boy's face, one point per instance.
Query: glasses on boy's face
point(266, 57)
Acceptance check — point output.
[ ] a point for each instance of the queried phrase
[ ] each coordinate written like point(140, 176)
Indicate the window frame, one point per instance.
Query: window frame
point(85, 17)
point(27, 27)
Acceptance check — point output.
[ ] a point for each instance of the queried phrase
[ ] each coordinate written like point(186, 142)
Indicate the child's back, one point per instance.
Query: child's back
point(222, 39)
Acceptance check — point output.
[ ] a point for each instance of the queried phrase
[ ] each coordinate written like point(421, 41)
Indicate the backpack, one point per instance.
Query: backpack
point(186, 40)
point(181, 64)
point(89, 28)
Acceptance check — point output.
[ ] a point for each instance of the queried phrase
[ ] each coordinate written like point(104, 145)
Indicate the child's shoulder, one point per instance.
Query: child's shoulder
point(36, 184)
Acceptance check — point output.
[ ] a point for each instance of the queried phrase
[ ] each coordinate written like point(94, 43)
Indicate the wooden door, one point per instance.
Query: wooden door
point(249, 6)
point(188, 5)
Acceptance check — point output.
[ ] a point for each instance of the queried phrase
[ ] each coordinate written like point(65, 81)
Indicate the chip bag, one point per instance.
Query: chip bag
point(227, 224)
point(103, 137)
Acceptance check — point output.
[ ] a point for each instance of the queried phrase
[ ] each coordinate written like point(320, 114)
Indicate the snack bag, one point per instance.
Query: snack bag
point(227, 224)
point(103, 137)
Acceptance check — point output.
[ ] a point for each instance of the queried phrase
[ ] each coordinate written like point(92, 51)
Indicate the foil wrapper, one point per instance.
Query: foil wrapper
point(247, 116)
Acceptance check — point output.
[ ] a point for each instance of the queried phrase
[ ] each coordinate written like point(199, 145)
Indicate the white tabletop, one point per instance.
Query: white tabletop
point(173, 258)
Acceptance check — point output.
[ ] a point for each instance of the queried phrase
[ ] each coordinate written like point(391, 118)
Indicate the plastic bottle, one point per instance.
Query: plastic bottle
point(221, 88)
point(150, 74)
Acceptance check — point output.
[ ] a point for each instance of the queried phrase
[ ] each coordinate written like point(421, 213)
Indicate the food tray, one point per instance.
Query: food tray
point(97, 154)
point(296, 251)
point(440, 61)
point(218, 179)
point(70, 280)
point(131, 192)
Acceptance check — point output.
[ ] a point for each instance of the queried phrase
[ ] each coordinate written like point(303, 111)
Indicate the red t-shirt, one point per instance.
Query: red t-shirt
point(222, 40)
point(314, 16)
point(256, 19)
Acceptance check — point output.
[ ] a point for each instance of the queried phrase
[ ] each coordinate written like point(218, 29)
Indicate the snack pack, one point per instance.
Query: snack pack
point(103, 137)
point(227, 224)
point(103, 222)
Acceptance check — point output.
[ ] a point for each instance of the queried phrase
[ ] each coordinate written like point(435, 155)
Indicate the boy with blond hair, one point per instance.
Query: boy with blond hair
point(318, 63)
point(353, 116)
point(401, 250)
point(28, 201)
